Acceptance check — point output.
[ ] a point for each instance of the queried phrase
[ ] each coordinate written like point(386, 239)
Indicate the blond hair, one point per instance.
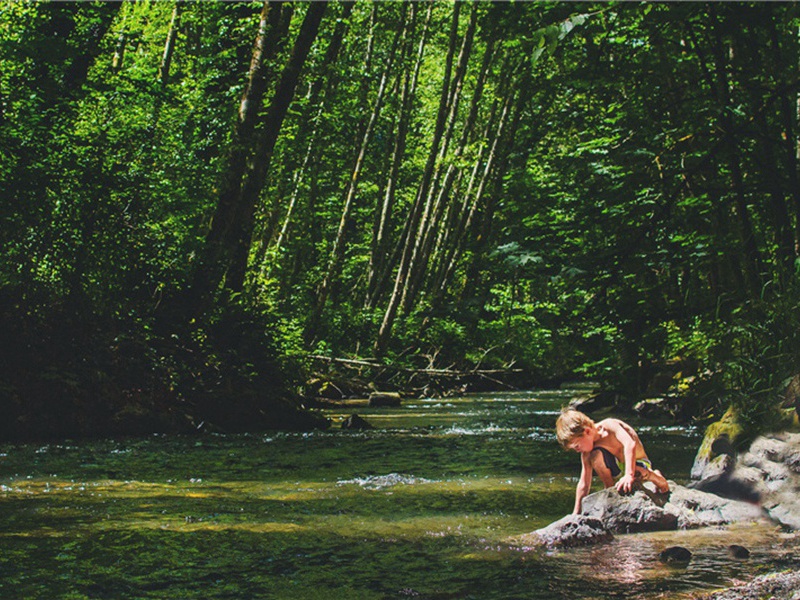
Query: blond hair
point(570, 425)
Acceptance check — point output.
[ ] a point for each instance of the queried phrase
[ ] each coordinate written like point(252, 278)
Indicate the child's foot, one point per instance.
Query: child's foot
point(657, 479)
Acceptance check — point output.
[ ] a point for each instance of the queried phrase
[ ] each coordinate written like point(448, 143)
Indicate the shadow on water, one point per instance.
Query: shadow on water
point(420, 507)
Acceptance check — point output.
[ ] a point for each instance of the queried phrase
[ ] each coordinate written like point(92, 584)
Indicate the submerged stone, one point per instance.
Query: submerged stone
point(675, 555)
point(356, 422)
point(737, 551)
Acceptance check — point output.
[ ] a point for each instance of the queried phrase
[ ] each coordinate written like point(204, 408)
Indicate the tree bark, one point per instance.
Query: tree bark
point(219, 243)
point(439, 193)
point(379, 266)
point(318, 99)
point(257, 173)
point(169, 46)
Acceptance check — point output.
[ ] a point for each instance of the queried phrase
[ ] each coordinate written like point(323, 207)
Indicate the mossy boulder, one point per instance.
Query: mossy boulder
point(720, 439)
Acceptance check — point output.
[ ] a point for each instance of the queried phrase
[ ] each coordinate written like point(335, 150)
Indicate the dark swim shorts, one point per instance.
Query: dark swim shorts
point(615, 466)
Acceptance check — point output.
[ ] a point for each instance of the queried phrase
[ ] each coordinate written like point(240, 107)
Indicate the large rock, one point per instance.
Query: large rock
point(681, 508)
point(783, 585)
point(572, 530)
point(642, 510)
point(607, 512)
point(769, 473)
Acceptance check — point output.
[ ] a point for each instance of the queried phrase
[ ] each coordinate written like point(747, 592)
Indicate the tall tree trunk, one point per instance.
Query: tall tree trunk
point(493, 172)
point(257, 172)
point(422, 194)
point(473, 200)
point(440, 191)
point(217, 250)
point(475, 290)
point(318, 99)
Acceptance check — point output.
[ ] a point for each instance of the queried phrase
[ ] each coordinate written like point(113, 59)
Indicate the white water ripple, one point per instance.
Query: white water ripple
point(381, 482)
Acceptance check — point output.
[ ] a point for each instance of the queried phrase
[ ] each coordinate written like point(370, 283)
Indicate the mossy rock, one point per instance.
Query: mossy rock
point(721, 437)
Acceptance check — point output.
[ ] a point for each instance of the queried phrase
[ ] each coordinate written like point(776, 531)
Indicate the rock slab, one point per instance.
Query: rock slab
point(607, 512)
point(680, 508)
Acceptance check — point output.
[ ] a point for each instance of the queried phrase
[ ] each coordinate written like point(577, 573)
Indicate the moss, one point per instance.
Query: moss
point(727, 431)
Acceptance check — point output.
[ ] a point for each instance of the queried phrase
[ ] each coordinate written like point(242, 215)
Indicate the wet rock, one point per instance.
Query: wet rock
point(607, 512)
point(356, 422)
point(737, 551)
point(675, 555)
point(653, 408)
point(640, 510)
point(572, 530)
point(681, 508)
point(385, 399)
point(776, 586)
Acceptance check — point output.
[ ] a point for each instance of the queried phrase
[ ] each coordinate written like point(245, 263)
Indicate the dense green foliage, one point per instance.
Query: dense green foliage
point(570, 189)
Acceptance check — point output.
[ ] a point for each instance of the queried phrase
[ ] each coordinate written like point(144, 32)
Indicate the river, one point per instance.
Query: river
point(422, 506)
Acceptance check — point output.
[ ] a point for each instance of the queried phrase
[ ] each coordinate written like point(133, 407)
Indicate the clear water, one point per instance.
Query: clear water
point(423, 506)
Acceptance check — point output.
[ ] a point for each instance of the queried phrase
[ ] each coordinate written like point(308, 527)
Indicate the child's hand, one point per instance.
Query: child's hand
point(625, 484)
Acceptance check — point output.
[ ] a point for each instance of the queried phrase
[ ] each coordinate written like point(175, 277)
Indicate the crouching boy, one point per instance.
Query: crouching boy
point(609, 448)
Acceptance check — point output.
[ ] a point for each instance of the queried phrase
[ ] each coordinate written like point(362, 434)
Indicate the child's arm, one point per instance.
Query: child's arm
point(584, 483)
point(628, 453)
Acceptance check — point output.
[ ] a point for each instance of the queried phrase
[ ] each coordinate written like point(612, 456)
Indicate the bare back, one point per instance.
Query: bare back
point(613, 434)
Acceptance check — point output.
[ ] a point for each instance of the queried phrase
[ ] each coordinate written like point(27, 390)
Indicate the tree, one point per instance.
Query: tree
point(229, 240)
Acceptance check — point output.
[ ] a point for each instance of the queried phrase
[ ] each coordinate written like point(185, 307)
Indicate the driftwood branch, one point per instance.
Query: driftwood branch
point(363, 362)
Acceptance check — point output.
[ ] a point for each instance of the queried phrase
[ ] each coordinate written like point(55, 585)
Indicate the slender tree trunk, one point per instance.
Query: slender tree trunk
point(215, 255)
point(474, 288)
point(318, 99)
point(337, 251)
point(438, 198)
point(169, 46)
point(498, 153)
point(379, 266)
point(422, 193)
point(456, 216)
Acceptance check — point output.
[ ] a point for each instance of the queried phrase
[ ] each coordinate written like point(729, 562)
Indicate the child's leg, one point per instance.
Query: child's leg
point(653, 476)
point(601, 468)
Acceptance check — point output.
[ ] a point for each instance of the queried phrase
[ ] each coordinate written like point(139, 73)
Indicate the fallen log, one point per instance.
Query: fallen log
point(371, 362)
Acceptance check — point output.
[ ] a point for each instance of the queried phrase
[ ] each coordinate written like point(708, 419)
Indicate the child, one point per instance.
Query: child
point(608, 448)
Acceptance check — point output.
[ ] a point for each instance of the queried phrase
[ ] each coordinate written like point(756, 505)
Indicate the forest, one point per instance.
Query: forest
point(213, 212)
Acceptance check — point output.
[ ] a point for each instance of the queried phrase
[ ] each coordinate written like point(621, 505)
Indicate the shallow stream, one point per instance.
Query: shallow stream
point(422, 506)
